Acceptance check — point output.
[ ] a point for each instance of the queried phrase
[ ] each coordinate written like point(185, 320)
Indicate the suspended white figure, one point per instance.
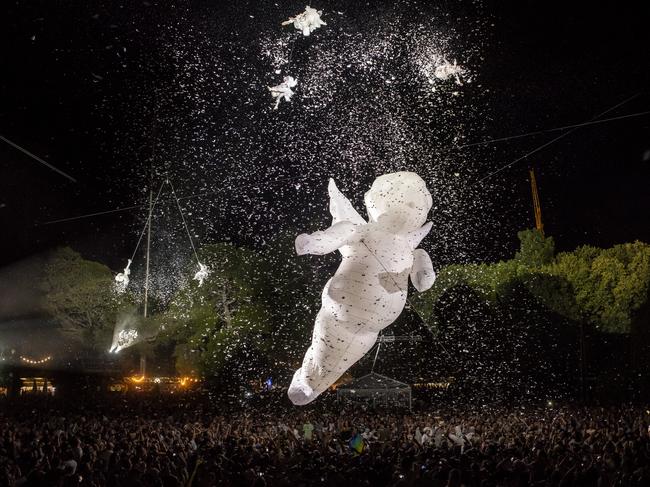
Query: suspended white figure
point(307, 22)
point(122, 279)
point(202, 273)
point(283, 90)
point(124, 339)
point(125, 333)
point(368, 291)
point(447, 70)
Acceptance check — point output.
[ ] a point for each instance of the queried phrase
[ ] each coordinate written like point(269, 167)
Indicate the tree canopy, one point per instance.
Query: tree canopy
point(79, 296)
point(226, 316)
point(246, 318)
point(606, 286)
point(253, 314)
point(601, 287)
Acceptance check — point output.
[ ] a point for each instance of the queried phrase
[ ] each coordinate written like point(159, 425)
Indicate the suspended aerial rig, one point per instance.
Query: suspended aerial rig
point(123, 335)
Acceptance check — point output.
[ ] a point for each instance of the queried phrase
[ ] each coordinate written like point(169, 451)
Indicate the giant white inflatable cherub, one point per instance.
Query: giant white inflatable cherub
point(368, 291)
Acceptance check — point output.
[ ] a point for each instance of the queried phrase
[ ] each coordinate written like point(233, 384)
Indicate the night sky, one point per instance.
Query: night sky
point(116, 93)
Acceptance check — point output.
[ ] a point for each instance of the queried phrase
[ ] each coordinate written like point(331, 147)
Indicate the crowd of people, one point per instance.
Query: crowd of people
point(189, 441)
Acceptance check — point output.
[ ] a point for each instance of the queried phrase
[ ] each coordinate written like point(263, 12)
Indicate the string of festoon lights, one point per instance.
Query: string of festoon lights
point(36, 362)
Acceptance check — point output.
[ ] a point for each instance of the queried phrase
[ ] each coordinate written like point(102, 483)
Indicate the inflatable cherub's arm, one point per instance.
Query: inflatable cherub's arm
point(346, 227)
point(326, 241)
point(422, 274)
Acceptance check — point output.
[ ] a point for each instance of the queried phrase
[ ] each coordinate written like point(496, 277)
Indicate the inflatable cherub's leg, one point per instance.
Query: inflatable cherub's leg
point(336, 346)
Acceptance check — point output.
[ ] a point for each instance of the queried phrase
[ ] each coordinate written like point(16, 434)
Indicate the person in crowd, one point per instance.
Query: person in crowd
point(172, 442)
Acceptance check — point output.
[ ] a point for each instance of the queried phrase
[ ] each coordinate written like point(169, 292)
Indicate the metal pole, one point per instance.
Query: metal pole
point(143, 365)
point(143, 359)
point(375, 360)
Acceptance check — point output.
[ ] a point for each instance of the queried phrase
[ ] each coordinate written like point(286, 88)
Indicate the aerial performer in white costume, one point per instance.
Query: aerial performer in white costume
point(307, 21)
point(283, 91)
point(122, 279)
point(368, 291)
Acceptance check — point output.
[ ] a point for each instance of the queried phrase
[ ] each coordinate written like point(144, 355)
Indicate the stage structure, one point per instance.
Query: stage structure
point(126, 333)
point(376, 389)
point(389, 338)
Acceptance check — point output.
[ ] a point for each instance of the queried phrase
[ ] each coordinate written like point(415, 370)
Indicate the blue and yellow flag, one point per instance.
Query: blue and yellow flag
point(356, 443)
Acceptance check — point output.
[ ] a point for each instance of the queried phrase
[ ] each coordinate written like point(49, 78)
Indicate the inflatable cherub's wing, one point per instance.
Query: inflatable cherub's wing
point(341, 208)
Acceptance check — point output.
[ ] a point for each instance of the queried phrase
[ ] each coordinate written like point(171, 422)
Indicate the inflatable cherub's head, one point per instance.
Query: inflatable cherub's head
point(400, 199)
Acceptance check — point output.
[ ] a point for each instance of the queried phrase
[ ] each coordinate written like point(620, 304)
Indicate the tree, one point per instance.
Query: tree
point(492, 282)
point(566, 303)
point(606, 286)
point(79, 296)
point(252, 317)
point(294, 287)
point(603, 288)
point(214, 324)
point(535, 250)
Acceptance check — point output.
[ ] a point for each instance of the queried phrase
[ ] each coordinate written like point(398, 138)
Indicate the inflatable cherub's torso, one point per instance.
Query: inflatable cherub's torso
point(369, 290)
point(370, 284)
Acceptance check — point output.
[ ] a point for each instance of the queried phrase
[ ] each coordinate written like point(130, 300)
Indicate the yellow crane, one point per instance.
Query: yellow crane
point(536, 205)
